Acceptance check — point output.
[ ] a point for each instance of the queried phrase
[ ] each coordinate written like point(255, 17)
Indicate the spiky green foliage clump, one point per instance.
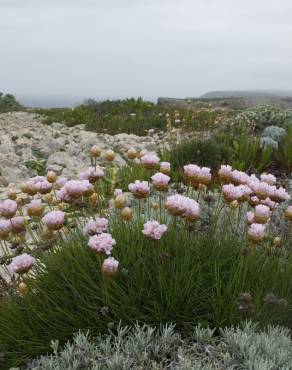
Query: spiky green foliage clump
point(144, 347)
point(182, 278)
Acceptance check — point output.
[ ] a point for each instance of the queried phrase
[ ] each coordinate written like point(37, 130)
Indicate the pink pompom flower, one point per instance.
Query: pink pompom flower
point(165, 168)
point(97, 226)
point(150, 160)
point(54, 220)
point(256, 232)
point(154, 230)
point(160, 181)
point(8, 208)
point(261, 214)
point(17, 224)
point(92, 174)
point(250, 217)
point(110, 267)
point(102, 243)
point(21, 264)
point(225, 173)
point(140, 189)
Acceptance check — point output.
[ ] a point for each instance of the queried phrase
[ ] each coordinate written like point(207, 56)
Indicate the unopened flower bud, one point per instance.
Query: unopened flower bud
point(288, 213)
point(12, 194)
point(22, 288)
point(120, 201)
point(234, 204)
point(95, 151)
point(277, 241)
point(48, 198)
point(93, 199)
point(126, 214)
point(110, 155)
point(132, 153)
point(51, 176)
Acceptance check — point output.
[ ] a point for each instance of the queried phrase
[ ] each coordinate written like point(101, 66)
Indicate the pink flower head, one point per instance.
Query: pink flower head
point(269, 179)
point(165, 168)
point(54, 220)
point(204, 175)
point(17, 224)
point(239, 177)
point(261, 214)
point(110, 266)
point(160, 181)
point(154, 230)
point(21, 264)
point(192, 171)
point(92, 174)
point(150, 160)
point(35, 208)
point(140, 189)
point(61, 182)
point(225, 173)
point(250, 217)
point(97, 226)
point(102, 243)
point(261, 189)
point(256, 232)
point(178, 205)
point(279, 195)
point(8, 208)
point(5, 228)
point(268, 202)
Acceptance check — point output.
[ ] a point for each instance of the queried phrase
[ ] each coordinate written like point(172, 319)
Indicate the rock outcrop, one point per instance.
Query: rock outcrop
point(26, 142)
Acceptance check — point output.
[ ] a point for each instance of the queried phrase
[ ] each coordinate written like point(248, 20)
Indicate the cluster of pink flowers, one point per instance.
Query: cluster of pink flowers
point(256, 232)
point(8, 208)
point(92, 174)
point(38, 184)
point(160, 181)
point(257, 191)
point(95, 226)
point(21, 264)
point(150, 160)
point(54, 220)
point(110, 267)
point(198, 175)
point(178, 205)
point(102, 243)
point(75, 189)
point(154, 230)
point(140, 189)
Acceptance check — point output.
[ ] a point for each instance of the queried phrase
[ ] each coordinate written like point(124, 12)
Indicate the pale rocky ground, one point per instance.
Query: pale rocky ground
point(65, 149)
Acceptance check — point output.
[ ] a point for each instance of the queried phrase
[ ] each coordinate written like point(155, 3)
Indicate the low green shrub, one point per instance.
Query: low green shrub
point(8, 103)
point(144, 347)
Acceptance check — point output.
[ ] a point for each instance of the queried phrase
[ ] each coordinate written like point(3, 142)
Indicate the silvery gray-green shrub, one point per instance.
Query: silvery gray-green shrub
point(144, 347)
point(274, 132)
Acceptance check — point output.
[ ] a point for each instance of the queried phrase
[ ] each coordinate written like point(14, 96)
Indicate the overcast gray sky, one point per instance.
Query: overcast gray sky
point(149, 48)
